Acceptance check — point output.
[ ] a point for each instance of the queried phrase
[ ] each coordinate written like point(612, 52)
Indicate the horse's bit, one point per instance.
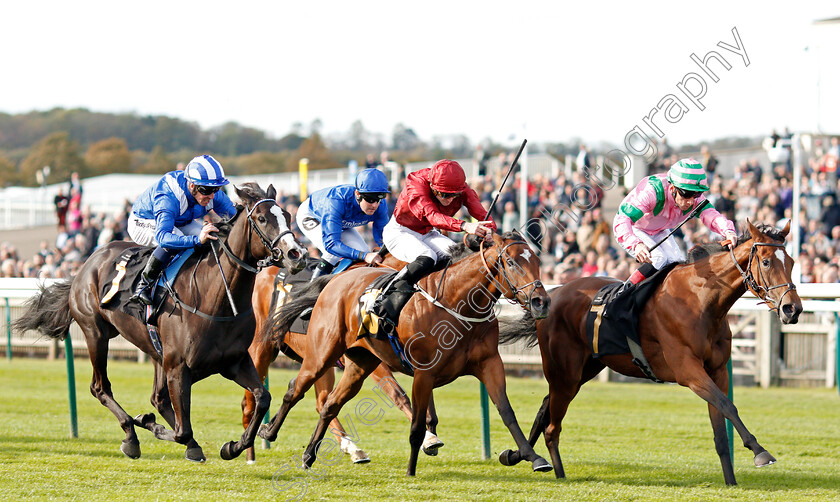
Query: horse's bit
point(514, 290)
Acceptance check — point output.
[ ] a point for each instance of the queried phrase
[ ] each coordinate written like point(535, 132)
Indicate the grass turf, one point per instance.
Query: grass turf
point(620, 442)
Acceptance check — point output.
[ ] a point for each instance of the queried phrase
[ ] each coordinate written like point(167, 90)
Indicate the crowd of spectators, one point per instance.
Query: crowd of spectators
point(572, 242)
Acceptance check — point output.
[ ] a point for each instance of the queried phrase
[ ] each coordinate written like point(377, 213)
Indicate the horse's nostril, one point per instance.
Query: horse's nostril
point(293, 254)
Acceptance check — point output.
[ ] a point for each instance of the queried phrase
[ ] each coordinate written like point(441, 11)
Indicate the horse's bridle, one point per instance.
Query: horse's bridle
point(276, 255)
point(502, 271)
point(761, 290)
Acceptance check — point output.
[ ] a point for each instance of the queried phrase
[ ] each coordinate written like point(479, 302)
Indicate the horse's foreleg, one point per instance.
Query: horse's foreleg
point(100, 387)
point(492, 374)
point(247, 377)
point(262, 354)
point(163, 404)
point(421, 393)
point(722, 444)
point(312, 369)
point(431, 443)
point(179, 381)
point(714, 393)
point(357, 367)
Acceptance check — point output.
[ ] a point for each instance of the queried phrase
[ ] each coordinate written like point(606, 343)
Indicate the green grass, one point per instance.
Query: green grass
point(620, 442)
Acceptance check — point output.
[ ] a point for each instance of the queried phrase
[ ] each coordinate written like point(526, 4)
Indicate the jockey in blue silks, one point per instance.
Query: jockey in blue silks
point(169, 215)
point(329, 216)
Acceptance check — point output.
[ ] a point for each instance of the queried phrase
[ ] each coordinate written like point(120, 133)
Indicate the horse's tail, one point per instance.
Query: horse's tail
point(518, 329)
point(48, 311)
point(280, 321)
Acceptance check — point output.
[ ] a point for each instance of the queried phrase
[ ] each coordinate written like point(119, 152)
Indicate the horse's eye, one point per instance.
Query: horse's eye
point(765, 263)
point(261, 219)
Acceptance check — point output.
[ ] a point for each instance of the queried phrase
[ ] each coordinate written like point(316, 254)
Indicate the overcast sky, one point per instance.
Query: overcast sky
point(548, 71)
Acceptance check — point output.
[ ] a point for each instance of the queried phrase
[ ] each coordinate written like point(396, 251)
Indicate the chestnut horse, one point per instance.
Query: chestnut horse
point(454, 334)
point(200, 333)
point(683, 329)
point(264, 351)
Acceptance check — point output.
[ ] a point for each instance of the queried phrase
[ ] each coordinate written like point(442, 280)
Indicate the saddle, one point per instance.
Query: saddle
point(613, 319)
point(373, 323)
point(121, 281)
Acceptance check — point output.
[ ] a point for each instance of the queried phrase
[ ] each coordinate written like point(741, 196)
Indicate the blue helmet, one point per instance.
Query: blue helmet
point(372, 181)
point(205, 170)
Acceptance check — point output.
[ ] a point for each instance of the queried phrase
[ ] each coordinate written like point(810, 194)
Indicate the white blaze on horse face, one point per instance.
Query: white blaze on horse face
point(780, 254)
point(527, 254)
point(289, 239)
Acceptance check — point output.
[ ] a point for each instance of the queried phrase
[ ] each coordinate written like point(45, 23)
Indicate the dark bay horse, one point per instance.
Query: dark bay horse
point(456, 335)
point(195, 345)
point(684, 334)
point(264, 351)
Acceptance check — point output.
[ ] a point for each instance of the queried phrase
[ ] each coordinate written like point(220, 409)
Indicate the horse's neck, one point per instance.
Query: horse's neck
point(238, 279)
point(463, 277)
point(729, 284)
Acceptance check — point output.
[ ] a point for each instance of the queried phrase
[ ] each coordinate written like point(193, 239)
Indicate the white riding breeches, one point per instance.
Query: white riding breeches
point(142, 230)
point(668, 252)
point(407, 245)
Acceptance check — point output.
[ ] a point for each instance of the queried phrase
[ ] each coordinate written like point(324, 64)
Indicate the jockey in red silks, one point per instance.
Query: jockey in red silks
point(659, 203)
point(428, 203)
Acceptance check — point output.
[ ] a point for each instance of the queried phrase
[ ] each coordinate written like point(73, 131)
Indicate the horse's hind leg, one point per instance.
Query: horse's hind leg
point(431, 443)
point(247, 377)
point(262, 354)
point(323, 387)
point(96, 336)
point(163, 404)
point(358, 365)
point(492, 374)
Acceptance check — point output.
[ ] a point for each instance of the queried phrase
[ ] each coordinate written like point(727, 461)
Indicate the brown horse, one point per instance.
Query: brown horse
point(264, 351)
point(454, 334)
point(200, 334)
point(683, 329)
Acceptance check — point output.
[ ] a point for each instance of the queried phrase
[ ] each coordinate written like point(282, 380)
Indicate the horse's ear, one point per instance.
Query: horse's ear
point(238, 193)
point(754, 232)
point(786, 230)
point(271, 192)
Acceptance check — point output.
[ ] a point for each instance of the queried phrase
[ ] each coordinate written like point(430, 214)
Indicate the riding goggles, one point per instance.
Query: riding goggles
point(445, 195)
point(688, 194)
point(206, 190)
point(373, 198)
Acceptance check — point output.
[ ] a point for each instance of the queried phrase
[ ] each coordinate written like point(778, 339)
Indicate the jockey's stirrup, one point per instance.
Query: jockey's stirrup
point(143, 292)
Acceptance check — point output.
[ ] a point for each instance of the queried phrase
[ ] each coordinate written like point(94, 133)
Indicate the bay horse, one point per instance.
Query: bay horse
point(684, 334)
point(264, 350)
point(200, 334)
point(454, 333)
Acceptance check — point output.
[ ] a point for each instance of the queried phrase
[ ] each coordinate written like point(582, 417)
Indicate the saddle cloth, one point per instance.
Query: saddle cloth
point(610, 324)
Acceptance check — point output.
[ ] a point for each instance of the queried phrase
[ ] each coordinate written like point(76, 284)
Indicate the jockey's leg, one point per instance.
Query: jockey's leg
point(402, 287)
point(157, 262)
point(323, 268)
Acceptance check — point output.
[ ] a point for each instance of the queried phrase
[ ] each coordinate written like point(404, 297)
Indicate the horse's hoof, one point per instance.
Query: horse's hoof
point(263, 433)
point(541, 465)
point(145, 420)
point(359, 457)
point(227, 452)
point(431, 444)
point(195, 454)
point(764, 459)
point(131, 449)
point(509, 457)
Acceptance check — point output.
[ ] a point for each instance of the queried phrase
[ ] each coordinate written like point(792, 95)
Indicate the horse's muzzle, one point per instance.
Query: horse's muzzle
point(789, 313)
point(539, 306)
point(295, 260)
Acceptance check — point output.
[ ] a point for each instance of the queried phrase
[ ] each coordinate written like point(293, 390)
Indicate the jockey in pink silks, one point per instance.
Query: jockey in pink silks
point(658, 204)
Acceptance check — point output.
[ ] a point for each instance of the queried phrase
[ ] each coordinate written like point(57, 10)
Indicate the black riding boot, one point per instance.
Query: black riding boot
point(391, 301)
point(323, 268)
point(150, 274)
point(639, 276)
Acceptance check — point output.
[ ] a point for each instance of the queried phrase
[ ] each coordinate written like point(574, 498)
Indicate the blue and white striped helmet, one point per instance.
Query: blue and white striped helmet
point(205, 170)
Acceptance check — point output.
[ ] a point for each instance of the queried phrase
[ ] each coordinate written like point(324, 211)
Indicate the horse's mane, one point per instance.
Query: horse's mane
point(705, 250)
point(249, 191)
point(461, 250)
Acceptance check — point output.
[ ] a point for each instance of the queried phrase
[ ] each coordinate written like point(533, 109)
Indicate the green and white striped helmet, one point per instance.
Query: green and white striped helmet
point(688, 174)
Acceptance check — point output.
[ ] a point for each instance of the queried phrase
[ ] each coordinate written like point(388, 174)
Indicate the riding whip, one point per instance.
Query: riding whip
point(510, 170)
point(691, 215)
